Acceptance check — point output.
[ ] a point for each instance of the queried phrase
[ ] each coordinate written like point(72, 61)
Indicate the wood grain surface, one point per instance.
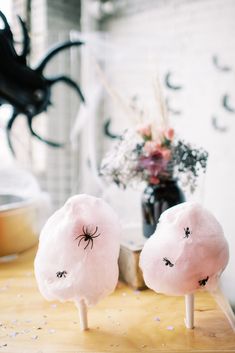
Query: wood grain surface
point(127, 321)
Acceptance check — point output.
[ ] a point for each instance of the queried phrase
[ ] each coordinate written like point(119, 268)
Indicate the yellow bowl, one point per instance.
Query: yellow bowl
point(18, 220)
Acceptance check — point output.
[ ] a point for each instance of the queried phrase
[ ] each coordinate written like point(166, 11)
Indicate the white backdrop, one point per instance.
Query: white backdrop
point(195, 42)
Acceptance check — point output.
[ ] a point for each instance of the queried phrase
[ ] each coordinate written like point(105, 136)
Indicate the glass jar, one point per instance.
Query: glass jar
point(156, 198)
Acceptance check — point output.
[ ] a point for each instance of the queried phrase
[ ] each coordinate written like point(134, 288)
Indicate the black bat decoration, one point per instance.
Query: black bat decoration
point(226, 105)
point(27, 90)
point(169, 84)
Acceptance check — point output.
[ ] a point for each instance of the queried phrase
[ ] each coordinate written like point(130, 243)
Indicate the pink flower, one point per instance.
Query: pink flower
point(153, 164)
point(144, 130)
point(154, 180)
point(169, 134)
point(166, 153)
point(151, 147)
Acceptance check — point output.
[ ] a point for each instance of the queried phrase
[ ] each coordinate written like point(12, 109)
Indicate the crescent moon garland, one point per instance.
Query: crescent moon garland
point(169, 84)
point(216, 126)
point(219, 66)
point(226, 104)
point(107, 131)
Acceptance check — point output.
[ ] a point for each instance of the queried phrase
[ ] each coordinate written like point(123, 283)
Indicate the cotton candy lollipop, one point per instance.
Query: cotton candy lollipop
point(78, 252)
point(187, 252)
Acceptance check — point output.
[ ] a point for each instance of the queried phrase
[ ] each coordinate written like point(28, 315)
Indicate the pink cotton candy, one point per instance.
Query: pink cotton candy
point(188, 251)
point(69, 267)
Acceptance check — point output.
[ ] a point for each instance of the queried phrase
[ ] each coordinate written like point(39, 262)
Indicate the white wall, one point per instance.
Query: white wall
point(182, 37)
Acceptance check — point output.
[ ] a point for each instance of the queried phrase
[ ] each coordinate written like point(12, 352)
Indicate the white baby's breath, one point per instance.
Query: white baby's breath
point(138, 157)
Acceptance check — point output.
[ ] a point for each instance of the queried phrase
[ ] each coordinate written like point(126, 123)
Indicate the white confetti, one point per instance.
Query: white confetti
point(53, 306)
point(136, 292)
point(170, 328)
point(52, 330)
point(34, 337)
point(13, 334)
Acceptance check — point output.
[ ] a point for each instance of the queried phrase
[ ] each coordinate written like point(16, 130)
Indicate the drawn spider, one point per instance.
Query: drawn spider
point(203, 282)
point(87, 236)
point(27, 89)
point(167, 262)
point(61, 274)
point(187, 232)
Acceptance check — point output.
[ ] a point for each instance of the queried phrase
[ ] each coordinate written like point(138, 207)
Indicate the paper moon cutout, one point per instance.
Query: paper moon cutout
point(169, 84)
point(107, 131)
point(226, 104)
point(216, 126)
point(219, 66)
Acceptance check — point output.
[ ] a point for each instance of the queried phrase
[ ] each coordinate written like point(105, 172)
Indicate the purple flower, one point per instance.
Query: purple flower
point(154, 164)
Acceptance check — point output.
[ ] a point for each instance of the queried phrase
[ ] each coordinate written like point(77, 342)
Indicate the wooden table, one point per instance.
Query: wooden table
point(126, 321)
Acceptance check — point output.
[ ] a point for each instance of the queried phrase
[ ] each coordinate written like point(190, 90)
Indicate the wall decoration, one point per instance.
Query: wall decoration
point(215, 124)
point(226, 104)
point(27, 90)
point(170, 84)
point(108, 132)
point(219, 66)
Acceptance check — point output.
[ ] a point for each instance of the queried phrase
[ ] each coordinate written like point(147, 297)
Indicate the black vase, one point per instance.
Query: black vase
point(155, 200)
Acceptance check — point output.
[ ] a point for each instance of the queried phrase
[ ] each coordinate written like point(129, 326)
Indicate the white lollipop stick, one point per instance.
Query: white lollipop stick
point(222, 301)
point(82, 308)
point(189, 310)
